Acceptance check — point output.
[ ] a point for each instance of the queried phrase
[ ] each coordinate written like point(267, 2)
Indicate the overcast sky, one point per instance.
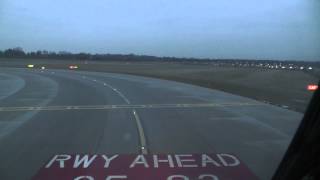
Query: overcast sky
point(254, 29)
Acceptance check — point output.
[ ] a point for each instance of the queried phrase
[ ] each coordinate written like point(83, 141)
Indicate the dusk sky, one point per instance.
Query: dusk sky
point(251, 29)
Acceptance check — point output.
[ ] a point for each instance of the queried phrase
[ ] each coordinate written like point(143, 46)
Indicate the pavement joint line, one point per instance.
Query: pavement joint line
point(124, 106)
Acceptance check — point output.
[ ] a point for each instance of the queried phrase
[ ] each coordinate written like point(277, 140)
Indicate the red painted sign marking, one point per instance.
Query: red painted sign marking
point(150, 167)
point(312, 87)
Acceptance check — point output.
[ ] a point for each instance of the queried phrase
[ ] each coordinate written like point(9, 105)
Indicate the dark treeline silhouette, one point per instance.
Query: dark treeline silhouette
point(14, 52)
point(18, 52)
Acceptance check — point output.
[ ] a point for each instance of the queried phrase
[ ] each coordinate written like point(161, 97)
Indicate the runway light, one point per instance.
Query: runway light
point(30, 65)
point(312, 87)
point(43, 67)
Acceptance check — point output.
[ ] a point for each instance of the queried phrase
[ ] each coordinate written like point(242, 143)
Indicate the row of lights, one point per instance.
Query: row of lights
point(43, 67)
point(272, 66)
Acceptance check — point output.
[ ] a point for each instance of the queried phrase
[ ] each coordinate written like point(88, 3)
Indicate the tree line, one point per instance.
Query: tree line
point(18, 52)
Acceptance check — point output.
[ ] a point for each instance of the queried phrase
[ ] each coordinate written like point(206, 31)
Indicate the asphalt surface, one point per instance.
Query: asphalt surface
point(48, 112)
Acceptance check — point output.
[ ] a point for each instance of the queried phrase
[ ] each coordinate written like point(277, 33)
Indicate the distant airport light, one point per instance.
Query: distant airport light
point(310, 68)
point(43, 67)
point(73, 67)
point(301, 67)
point(312, 87)
point(30, 66)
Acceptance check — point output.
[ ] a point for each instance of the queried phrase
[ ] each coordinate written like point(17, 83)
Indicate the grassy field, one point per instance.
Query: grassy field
point(279, 87)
